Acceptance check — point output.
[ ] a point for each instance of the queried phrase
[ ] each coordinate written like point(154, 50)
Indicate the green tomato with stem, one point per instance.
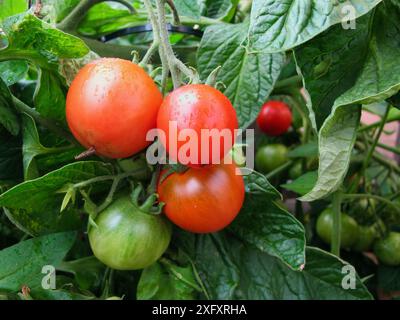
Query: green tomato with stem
point(128, 236)
point(271, 157)
point(348, 230)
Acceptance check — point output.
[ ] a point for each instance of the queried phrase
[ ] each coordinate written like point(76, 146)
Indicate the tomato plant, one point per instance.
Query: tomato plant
point(276, 159)
point(275, 118)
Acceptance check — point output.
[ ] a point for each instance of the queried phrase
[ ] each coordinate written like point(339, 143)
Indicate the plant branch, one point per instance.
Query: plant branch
point(156, 43)
point(376, 140)
point(295, 81)
point(379, 158)
point(337, 224)
point(23, 108)
point(71, 21)
point(110, 195)
point(107, 177)
point(174, 12)
point(279, 169)
point(165, 44)
point(385, 146)
point(352, 196)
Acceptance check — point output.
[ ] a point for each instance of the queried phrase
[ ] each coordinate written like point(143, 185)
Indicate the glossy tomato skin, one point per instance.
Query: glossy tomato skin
point(270, 157)
point(127, 238)
point(275, 118)
point(388, 249)
point(203, 200)
point(111, 105)
point(349, 228)
point(197, 107)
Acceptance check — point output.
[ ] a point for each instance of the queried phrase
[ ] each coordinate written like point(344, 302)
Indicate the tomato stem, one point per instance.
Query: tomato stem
point(336, 204)
point(71, 21)
point(279, 169)
point(110, 195)
point(157, 41)
point(50, 125)
point(353, 196)
point(375, 142)
point(295, 81)
point(108, 177)
point(85, 154)
point(379, 158)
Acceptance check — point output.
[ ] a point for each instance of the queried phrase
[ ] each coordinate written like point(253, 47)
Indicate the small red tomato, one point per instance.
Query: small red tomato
point(203, 200)
point(274, 118)
point(208, 114)
point(111, 105)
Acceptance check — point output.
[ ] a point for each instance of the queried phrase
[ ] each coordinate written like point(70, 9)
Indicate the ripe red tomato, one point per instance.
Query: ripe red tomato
point(274, 118)
point(197, 107)
point(111, 105)
point(203, 200)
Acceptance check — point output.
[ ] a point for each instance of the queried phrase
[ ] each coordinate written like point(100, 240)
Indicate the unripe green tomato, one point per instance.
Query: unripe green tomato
point(388, 249)
point(270, 157)
point(296, 170)
point(348, 230)
point(366, 236)
point(127, 238)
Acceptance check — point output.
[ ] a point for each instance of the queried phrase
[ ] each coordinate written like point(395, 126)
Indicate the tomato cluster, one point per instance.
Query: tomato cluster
point(361, 238)
point(111, 106)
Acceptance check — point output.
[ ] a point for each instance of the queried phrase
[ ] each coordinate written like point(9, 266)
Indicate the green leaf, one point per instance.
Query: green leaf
point(59, 9)
point(13, 71)
point(380, 76)
point(330, 64)
point(12, 7)
point(103, 19)
point(34, 205)
point(302, 184)
point(88, 271)
point(188, 8)
point(58, 294)
point(232, 270)
point(22, 264)
point(307, 150)
point(248, 78)
point(31, 147)
point(336, 140)
point(356, 66)
point(257, 183)
point(279, 27)
point(321, 279)
point(49, 97)
point(33, 39)
point(219, 9)
point(8, 117)
point(158, 282)
point(264, 224)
